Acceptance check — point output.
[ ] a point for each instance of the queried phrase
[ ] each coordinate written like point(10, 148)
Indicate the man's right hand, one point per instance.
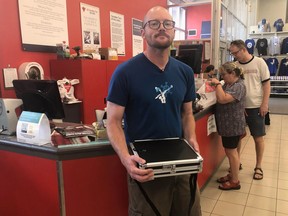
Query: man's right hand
point(131, 164)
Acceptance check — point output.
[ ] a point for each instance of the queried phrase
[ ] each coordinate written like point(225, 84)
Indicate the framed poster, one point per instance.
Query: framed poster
point(90, 23)
point(137, 40)
point(117, 32)
point(43, 24)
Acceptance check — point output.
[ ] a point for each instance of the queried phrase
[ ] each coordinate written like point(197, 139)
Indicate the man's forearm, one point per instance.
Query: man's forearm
point(117, 140)
point(189, 127)
point(266, 93)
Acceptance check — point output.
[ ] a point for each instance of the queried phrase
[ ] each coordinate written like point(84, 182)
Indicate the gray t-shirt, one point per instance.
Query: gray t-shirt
point(230, 117)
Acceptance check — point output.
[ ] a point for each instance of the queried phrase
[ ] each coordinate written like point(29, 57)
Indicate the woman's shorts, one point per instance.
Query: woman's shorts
point(231, 142)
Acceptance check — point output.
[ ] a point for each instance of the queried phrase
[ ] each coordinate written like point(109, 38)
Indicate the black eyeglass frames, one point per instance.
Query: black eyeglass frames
point(155, 24)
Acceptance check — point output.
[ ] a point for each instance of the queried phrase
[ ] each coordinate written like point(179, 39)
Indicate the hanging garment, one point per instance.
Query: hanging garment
point(274, 47)
point(273, 64)
point(278, 24)
point(284, 47)
point(250, 43)
point(283, 69)
point(261, 46)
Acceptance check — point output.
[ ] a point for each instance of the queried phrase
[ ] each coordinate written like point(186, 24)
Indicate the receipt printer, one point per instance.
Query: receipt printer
point(8, 116)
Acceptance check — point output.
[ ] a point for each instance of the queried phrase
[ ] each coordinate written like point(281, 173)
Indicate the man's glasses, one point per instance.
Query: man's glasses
point(155, 24)
point(235, 53)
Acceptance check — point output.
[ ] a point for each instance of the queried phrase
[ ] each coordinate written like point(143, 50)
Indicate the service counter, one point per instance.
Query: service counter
point(78, 179)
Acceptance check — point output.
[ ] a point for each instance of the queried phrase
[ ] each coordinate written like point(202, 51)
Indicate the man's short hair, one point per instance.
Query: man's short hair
point(238, 43)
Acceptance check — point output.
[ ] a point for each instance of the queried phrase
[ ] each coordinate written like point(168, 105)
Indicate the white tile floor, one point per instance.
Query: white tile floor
point(267, 197)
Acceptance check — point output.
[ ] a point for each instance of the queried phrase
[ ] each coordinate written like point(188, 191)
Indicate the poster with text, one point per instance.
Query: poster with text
point(90, 23)
point(117, 32)
point(137, 40)
point(43, 24)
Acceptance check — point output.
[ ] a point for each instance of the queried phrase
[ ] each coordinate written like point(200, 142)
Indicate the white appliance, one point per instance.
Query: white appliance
point(8, 116)
point(30, 70)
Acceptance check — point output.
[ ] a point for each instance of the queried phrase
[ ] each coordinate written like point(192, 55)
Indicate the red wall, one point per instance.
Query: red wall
point(11, 52)
point(195, 15)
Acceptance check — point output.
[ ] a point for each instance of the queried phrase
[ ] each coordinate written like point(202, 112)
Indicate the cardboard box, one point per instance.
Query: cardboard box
point(109, 53)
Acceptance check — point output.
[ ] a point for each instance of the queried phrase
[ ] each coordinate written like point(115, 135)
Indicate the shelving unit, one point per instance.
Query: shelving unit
point(267, 35)
point(279, 86)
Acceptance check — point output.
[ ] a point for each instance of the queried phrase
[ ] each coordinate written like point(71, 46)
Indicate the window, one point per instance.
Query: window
point(179, 16)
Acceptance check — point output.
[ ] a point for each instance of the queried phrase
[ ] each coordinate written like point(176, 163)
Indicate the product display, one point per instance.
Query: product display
point(284, 46)
point(274, 45)
point(250, 44)
point(273, 48)
point(273, 64)
point(264, 26)
point(279, 85)
point(283, 69)
point(262, 45)
point(278, 24)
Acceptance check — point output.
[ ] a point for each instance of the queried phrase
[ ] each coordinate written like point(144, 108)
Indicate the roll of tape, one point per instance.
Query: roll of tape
point(30, 70)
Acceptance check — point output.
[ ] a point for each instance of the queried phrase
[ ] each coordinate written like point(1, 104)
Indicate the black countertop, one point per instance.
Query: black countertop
point(71, 151)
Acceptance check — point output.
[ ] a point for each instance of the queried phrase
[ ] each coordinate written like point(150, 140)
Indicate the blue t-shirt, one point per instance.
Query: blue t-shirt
point(283, 69)
point(152, 98)
point(284, 47)
point(278, 24)
point(272, 64)
point(250, 43)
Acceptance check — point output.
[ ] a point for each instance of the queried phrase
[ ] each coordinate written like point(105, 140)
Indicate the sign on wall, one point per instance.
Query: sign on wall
point(137, 40)
point(43, 24)
point(117, 32)
point(90, 23)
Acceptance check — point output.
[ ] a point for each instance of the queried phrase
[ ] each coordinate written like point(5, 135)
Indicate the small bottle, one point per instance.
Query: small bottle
point(64, 46)
point(67, 52)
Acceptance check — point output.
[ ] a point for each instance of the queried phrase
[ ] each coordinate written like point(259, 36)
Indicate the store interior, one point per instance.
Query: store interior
point(204, 27)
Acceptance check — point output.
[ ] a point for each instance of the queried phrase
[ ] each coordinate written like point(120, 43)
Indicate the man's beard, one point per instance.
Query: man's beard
point(159, 45)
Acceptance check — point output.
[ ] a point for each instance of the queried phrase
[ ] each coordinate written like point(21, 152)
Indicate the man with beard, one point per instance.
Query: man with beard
point(154, 93)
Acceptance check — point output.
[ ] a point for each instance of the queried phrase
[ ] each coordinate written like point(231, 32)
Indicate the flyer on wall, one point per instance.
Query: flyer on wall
point(43, 24)
point(90, 24)
point(137, 40)
point(117, 32)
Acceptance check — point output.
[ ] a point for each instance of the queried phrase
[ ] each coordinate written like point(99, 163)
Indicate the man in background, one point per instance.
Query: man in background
point(257, 82)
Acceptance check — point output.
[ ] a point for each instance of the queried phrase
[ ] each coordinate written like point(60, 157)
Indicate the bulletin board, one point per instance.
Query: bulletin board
point(43, 24)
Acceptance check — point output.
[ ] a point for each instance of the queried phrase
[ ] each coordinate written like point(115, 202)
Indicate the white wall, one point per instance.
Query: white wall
point(252, 12)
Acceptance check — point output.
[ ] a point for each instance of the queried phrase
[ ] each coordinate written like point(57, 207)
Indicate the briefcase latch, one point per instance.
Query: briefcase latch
point(169, 168)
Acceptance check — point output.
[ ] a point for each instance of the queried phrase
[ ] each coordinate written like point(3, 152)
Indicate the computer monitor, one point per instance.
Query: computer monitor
point(40, 96)
point(191, 54)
